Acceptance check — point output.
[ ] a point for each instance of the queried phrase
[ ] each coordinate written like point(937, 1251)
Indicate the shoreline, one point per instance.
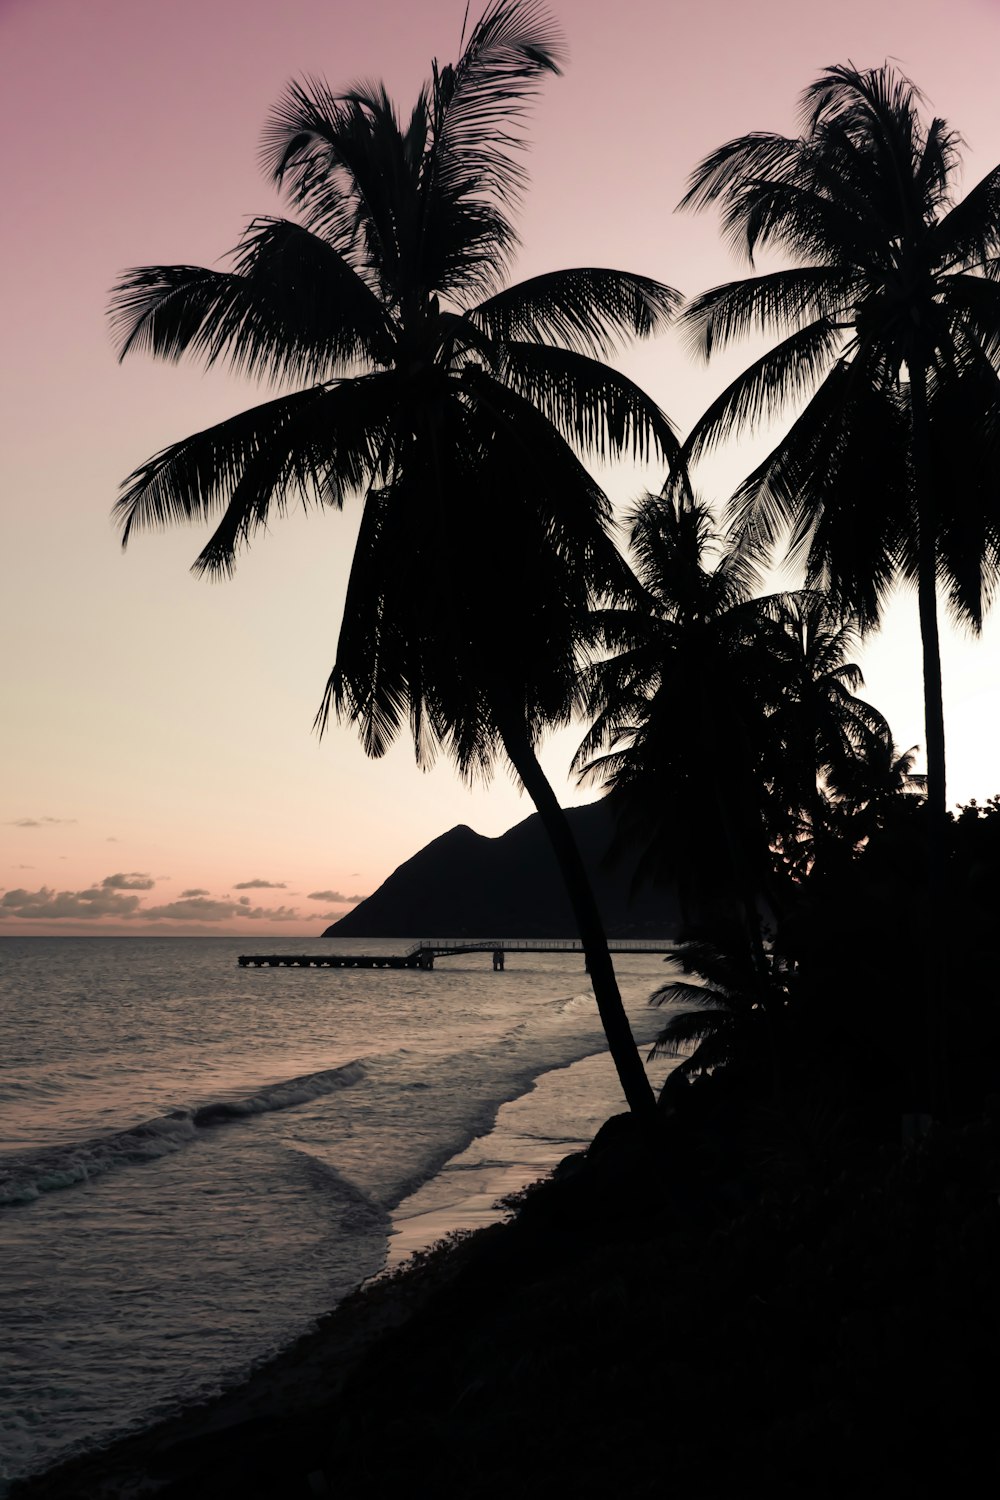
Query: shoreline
point(524, 1143)
point(536, 1356)
point(461, 1205)
point(289, 1387)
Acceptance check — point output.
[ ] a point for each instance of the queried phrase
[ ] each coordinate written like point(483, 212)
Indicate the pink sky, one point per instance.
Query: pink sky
point(156, 729)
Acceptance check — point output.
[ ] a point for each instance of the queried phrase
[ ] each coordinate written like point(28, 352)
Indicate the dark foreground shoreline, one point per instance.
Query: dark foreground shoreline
point(636, 1330)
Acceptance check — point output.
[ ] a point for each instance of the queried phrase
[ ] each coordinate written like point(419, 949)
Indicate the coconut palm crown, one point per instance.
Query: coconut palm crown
point(459, 408)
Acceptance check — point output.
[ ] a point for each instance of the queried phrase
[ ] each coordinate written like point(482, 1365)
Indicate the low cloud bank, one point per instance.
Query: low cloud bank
point(114, 899)
point(37, 822)
point(46, 904)
point(210, 909)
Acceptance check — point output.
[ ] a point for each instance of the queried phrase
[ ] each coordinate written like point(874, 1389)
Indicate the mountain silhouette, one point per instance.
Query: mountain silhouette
point(465, 885)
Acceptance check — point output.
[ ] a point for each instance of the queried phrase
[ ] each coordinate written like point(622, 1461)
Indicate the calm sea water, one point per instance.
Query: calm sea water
point(197, 1160)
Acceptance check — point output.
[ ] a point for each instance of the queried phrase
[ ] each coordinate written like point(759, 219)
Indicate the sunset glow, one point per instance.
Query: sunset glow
point(160, 771)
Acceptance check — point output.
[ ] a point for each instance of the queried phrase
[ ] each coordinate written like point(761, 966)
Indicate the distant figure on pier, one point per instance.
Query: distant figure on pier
point(497, 958)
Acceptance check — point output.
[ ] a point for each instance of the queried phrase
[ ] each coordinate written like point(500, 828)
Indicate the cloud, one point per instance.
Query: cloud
point(117, 899)
point(37, 822)
point(205, 909)
point(334, 896)
point(132, 882)
point(261, 885)
point(111, 839)
point(45, 904)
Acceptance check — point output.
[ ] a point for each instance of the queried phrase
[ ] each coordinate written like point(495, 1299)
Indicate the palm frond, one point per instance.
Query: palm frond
point(968, 236)
point(353, 174)
point(292, 310)
point(593, 406)
point(188, 480)
point(759, 156)
point(683, 1029)
point(973, 303)
point(683, 992)
point(839, 479)
point(481, 101)
point(592, 311)
point(314, 445)
point(965, 457)
point(793, 369)
point(370, 684)
point(760, 304)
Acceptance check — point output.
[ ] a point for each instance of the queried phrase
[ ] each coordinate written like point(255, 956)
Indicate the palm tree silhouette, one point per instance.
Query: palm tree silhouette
point(890, 319)
point(455, 405)
point(735, 1016)
point(725, 725)
point(833, 744)
point(681, 707)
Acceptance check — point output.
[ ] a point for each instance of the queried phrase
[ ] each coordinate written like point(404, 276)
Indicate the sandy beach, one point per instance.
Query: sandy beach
point(530, 1137)
point(638, 1324)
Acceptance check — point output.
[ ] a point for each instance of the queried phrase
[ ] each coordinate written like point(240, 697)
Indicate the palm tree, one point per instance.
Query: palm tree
point(735, 1016)
point(454, 405)
point(725, 725)
point(682, 704)
point(890, 324)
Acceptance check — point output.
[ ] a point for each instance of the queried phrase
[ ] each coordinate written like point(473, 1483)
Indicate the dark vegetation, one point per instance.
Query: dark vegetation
point(783, 1278)
point(775, 1296)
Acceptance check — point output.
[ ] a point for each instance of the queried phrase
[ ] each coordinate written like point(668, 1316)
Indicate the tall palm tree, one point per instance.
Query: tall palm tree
point(456, 406)
point(890, 325)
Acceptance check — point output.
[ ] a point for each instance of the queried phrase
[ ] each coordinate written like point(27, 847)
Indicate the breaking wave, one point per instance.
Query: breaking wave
point(23, 1178)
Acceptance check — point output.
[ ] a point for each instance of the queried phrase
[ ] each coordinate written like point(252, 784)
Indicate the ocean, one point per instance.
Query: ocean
point(199, 1160)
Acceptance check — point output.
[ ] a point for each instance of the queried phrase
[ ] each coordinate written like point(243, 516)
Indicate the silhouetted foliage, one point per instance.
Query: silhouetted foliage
point(726, 730)
point(457, 406)
point(890, 319)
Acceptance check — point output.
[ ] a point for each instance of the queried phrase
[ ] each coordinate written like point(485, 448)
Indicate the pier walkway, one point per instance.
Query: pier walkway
point(423, 954)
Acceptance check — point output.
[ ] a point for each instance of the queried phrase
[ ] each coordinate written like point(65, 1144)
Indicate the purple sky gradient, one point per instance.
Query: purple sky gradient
point(158, 727)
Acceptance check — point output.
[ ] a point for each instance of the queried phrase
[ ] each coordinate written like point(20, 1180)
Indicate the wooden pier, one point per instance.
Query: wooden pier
point(412, 960)
point(423, 954)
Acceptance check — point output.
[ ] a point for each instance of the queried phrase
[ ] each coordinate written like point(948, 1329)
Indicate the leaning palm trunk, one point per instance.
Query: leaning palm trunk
point(621, 1043)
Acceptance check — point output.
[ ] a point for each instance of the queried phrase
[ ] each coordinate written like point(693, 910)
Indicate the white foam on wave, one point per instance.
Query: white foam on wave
point(25, 1178)
point(573, 1003)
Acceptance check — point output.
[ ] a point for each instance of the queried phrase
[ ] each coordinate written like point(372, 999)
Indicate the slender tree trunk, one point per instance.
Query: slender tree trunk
point(927, 602)
point(742, 865)
point(621, 1042)
point(937, 816)
point(744, 886)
